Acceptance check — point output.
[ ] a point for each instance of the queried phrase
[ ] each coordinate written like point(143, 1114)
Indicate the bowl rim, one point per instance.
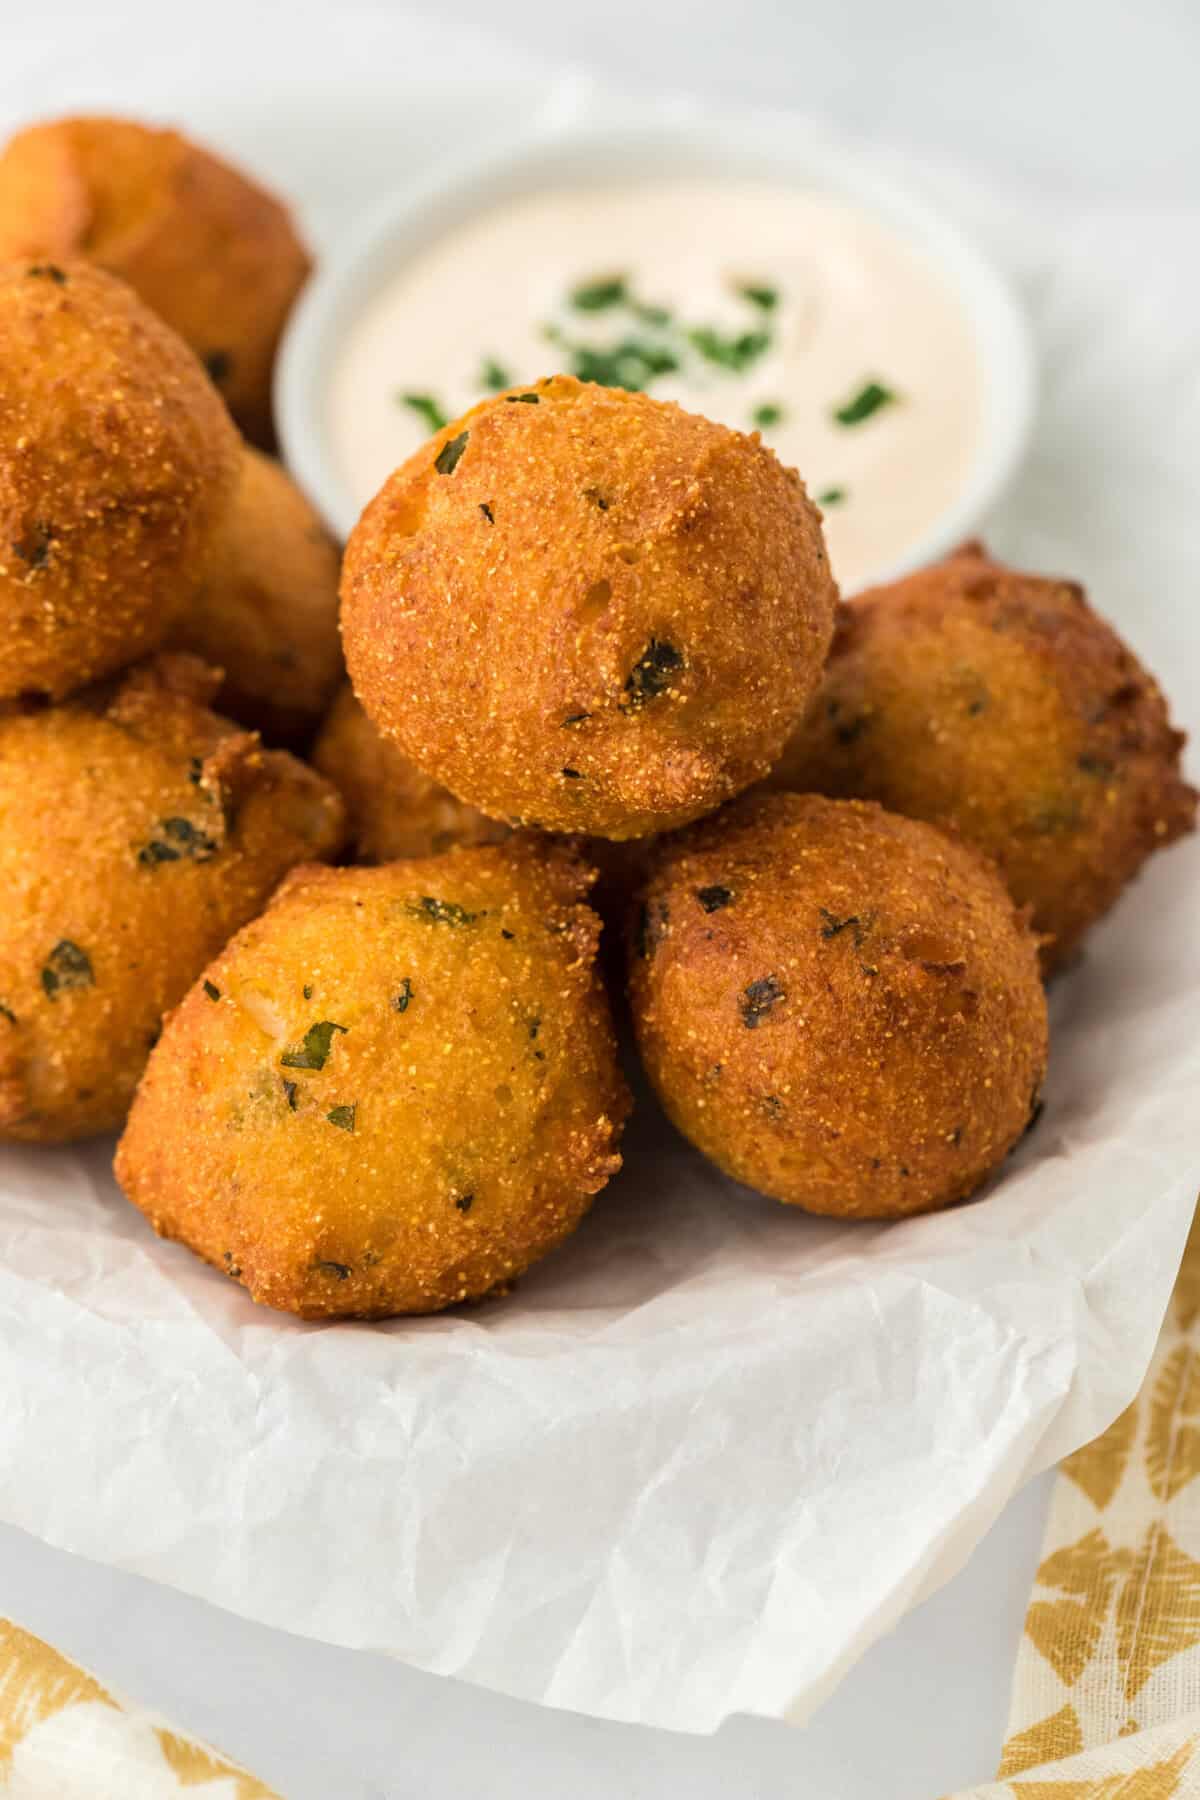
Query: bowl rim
point(553, 152)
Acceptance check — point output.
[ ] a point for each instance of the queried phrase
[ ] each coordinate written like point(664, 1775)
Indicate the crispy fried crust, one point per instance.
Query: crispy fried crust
point(137, 830)
point(267, 612)
point(839, 1006)
point(395, 811)
point(117, 463)
point(395, 1090)
point(1000, 704)
point(588, 610)
point(209, 250)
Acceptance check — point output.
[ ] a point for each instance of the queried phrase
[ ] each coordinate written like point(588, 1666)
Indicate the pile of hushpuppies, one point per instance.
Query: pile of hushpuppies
point(578, 624)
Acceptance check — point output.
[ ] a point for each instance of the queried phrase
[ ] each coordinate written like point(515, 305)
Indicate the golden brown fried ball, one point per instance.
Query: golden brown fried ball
point(588, 610)
point(117, 463)
point(999, 703)
point(395, 1090)
point(268, 611)
point(839, 1006)
point(209, 250)
point(137, 831)
point(395, 811)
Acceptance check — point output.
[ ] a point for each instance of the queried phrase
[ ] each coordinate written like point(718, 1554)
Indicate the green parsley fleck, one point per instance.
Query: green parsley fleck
point(598, 296)
point(290, 1091)
point(493, 375)
point(313, 1053)
point(402, 1000)
point(767, 414)
point(212, 990)
point(765, 298)
point(831, 496)
point(450, 454)
point(67, 967)
point(342, 1117)
point(440, 912)
point(527, 399)
point(426, 408)
point(869, 399)
point(733, 353)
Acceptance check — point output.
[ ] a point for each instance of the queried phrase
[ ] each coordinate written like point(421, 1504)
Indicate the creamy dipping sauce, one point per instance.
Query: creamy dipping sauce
point(760, 305)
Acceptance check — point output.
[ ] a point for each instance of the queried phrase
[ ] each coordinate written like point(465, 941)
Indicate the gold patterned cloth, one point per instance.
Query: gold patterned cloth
point(1106, 1698)
point(63, 1736)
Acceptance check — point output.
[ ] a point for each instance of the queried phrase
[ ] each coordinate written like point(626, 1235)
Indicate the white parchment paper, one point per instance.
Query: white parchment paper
point(710, 1451)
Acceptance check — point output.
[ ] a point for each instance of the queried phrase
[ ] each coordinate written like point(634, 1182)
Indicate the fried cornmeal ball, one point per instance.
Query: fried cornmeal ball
point(841, 1007)
point(117, 463)
point(209, 250)
point(395, 1090)
point(268, 610)
point(1000, 704)
point(137, 831)
point(588, 611)
point(395, 810)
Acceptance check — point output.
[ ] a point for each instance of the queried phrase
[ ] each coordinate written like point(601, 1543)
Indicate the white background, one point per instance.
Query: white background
point(1082, 104)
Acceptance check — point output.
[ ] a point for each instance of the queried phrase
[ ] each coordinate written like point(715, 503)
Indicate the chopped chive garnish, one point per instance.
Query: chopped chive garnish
point(869, 399)
point(831, 496)
point(734, 353)
point(598, 296)
point(313, 1053)
point(426, 408)
point(450, 454)
point(767, 414)
point(212, 990)
point(766, 298)
point(493, 375)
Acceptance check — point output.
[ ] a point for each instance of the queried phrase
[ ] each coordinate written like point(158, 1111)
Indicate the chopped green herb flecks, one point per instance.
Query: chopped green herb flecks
point(831, 496)
point(465, 1202)
point(180, 839)
point(632, 364)
point(339, 1271)
point(766, 298)
point(67, 967)
point(342, 1117)
point(195, 770)
point(426, 408)
point(598, 296)
point(6, 1012)
point(769, 413)
point(450, 454)
point(487, 512)
point(313, 1053)
point(571, 774)
point(758, 999)
point(714, 897)
point(440, 912)
point(734, 353)
point(832, 926)
point(291, 1090)
point(650, 315)
point(597, 498)
point(403, 1000)
point(528, 399)
point(306, 990)
point(651, 674)
point(48, 272)
point(575, 719)
point(212, 990)
point(494, 375)
point(870, 398)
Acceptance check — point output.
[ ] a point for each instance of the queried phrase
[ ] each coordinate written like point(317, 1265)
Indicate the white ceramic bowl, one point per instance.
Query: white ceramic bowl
point(555, 155)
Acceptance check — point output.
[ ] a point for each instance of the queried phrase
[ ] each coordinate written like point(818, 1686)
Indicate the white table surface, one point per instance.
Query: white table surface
point(1069, 95)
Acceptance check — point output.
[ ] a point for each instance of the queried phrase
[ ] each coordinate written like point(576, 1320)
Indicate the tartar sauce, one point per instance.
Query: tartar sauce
point(760, 305)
